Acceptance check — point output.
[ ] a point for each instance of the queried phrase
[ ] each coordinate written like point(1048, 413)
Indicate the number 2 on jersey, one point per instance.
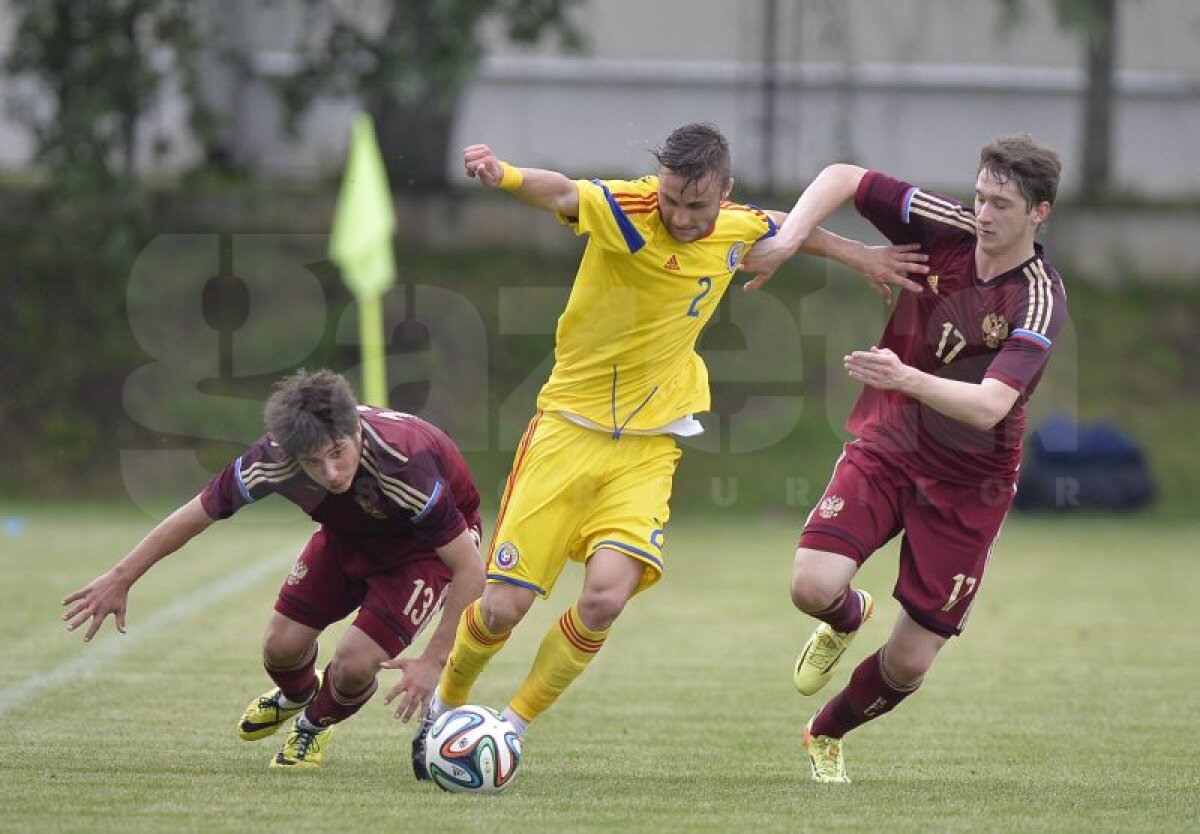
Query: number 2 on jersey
point(705, 286)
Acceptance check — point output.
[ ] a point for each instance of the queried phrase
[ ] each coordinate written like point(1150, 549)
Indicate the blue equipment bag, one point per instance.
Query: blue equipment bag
point(1094, 466)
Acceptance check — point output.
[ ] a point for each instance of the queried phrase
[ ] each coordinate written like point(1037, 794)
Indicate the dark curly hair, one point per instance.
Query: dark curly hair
point(695, 151)
point(309, 409)
point(1035, 169)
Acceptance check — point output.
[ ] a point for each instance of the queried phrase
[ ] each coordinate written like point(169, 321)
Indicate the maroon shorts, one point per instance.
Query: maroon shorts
point(396, 595)
point(949, 530)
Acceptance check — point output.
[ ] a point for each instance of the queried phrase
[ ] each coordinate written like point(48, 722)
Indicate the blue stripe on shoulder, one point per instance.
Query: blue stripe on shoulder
point(437, 490)
point(237, 470)
point(633, 238)
point(771, 229)
point(912, 192)
point(1032, 335)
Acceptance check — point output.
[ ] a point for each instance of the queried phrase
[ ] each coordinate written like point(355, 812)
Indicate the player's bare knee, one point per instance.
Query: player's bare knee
point(500, 612)
point(599, 610)
point(352, 672)
point(282, 650)
point(811, 593)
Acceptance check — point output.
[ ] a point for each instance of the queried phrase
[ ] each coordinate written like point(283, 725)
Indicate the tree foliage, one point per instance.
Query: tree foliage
point(88, 72)
point(102, 65)
point(1094, 22)
point(409, 63)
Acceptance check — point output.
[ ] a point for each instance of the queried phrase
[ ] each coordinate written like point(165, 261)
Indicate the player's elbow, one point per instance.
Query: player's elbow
point(470, 575)
point(565, 197)
point(995, 404)
point(846, 175)
point(985, 420)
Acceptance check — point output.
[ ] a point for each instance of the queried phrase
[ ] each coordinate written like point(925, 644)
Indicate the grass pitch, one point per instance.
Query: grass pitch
point(1069, 705)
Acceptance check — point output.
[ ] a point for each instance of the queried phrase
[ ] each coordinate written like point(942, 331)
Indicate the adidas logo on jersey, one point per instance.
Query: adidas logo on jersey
point(672, 264)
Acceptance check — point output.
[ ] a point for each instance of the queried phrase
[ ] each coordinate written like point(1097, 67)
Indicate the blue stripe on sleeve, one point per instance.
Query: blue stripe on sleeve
point(633, 238)
point(437, 490)
point(1032, 335)
point(771, 227)
point(912, 192)
point(237, 470)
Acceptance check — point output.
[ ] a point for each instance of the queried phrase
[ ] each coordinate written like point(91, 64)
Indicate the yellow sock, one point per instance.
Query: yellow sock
point(474, 646)
point(566, 651)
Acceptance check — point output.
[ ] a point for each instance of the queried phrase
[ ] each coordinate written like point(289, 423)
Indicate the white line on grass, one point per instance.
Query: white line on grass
point(103, 651)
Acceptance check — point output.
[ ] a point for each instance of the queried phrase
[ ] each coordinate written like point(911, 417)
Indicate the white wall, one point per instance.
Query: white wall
point(911, 86)
point(925, 123)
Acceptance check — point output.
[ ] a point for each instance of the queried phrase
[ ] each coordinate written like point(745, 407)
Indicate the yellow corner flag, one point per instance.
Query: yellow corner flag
point(361, 245)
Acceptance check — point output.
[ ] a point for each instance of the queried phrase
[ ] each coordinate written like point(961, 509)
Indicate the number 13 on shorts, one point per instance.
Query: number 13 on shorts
point(421, 604)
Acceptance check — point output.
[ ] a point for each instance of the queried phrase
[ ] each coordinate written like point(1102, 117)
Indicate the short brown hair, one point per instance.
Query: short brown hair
point(1034, 168)
point(309, 409)
point(694, 151)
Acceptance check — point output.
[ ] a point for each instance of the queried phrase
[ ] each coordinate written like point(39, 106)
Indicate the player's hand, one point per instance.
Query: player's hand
point(879, 368)
point(764, 258)
point(415, 688)
point(104, 595)
point(479, 162)
point(888, 266)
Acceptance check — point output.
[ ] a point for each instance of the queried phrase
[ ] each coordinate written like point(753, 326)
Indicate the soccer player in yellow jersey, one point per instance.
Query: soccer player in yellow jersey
point(592, 476)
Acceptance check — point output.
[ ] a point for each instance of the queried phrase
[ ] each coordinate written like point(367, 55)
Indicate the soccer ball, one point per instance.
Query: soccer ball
point(471, 749)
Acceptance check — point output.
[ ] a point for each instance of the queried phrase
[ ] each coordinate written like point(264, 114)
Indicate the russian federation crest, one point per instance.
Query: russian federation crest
point(366, 501)
point(299, 571)
point(831, 506)
point(995, 329)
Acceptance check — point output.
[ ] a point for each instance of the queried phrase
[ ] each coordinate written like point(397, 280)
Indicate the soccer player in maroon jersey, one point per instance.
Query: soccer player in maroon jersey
point(399, 540)
point(938, 424)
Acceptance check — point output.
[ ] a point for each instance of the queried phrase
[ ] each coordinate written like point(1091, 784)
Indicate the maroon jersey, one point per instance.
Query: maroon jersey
point(958, 328)
point(412, 486)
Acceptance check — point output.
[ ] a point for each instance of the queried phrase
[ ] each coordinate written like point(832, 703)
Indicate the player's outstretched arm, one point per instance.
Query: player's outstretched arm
point(981, 405)
point(832, 187)
point(544, 189)
point(108, 592)
point(421, 674)
point(883, 267)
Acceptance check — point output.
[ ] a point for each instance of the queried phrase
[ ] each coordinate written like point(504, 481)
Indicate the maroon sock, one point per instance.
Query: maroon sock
point(332, 705)
point(868, 696)
point(297, 682)
point(846, 613)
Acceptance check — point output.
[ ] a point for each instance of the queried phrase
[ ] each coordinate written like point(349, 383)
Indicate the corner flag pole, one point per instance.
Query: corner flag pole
point(361, 245)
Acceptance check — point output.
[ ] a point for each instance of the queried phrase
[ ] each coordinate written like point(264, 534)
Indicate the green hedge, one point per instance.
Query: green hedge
point(153, 354)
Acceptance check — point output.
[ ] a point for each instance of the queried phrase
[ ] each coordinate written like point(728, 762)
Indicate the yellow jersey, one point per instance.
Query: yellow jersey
point(625, 348)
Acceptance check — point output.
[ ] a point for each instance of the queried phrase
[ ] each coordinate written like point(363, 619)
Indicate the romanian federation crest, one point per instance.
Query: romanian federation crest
point(831, 506)
point(995, 329)
point(734, 255)
point(507, 556)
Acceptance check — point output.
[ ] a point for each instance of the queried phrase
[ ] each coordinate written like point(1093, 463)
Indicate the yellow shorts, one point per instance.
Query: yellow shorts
point(574, 490)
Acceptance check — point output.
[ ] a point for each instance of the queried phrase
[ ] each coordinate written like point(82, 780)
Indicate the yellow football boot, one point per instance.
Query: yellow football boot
point(825, 754)
point(264, 716)
point(815, 665)
point(303, 748)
